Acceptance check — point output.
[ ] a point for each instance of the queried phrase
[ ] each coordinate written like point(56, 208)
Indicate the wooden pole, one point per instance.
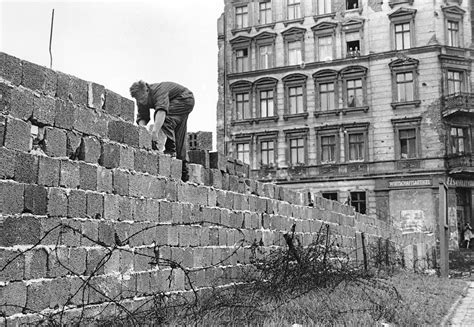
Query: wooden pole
point(443, 225)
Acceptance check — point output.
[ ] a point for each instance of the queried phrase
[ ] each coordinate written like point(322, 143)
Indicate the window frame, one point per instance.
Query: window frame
point(405, 65)
point(402, 16)
point(324, 77)
point(241, 43)
point(466, 139)
point(243, 139)
point(291, 81)
point(294, 34)
point(462, 80)
point(294, 134)
point(236, 15)
point(353, 26)
point(407, 124)
point(453, 13)
point(358, 201)
point(266, 137)
point(261, 40)
point(241, 87)
point(325, 29)
point(267, 11)
point(296, 4)
point(360, 128)
point(326, 12)
point(352, 73)
point(325, 131)
point(330, 193)
point(266, 84)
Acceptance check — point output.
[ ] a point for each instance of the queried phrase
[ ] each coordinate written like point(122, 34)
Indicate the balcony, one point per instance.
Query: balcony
point(458, 103)
point(460, 163)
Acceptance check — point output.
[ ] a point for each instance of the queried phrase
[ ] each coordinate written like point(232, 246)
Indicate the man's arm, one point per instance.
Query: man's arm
point(160, 116)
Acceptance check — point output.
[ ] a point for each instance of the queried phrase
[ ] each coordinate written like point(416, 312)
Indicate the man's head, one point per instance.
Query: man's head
point(139, 91)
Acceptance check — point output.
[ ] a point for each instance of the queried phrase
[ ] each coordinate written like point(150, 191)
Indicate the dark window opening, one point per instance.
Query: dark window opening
point(358, 201)
point(352, 4)
point(353, 48)
point(330, 195)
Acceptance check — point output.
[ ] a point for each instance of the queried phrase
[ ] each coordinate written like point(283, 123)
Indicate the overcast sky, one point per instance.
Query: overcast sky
point(115, 43)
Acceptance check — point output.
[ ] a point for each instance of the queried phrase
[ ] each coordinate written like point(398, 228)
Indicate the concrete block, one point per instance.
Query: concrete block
point(94, 262)
point(16, 265)
point(120, 182)
point(20, 230)
point(17, 135)
point(164, 165)
point(112, 103)
point(60, 292)
point(144, 138)
point(17, 101)
point(195, 173)
point(116, 130)
point(95, 95)
point(124, 209)
point(111, 207)
point(44, 110)
point(7, 163)
point(127, 109)
point(106, 233)
point(72, 88)
point(10, 68)
point(146, 162)
point(200, 157)
point(36, 264)
point(26, 168)
point(57, 202)
point(176, 168)
point(13, 294)
point(217, 161)
point(91, 122)
point(90, 232)
point(11, 197)
point(74, 140)
point(90, 149)
point(95, 205)
point(117, 156)
point(48, 171)
point(39, 78)
point(36, 199)
point(55, 142)
point(167, 235)
point(87, 176)
point(69, 175)
point(38, 296)
point(77, 204)
point(71, 232)
point(104, 180)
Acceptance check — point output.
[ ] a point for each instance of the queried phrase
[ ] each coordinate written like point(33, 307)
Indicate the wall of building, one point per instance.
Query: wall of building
point(93, 219)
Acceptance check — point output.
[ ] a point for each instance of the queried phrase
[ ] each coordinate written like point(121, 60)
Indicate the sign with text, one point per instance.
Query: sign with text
point(412, 182)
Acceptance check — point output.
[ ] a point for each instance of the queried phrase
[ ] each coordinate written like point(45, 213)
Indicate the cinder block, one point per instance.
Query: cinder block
point(60, 292)
point(57, 202)
point(55, 142)
point(44, 110)
point(39, 78)
point(17, 134)
point(116, 130)
point(66, 114)
point(96, 95)
point(73, 143)
point(69, 175)
point(95, 263)
point(90, 149)
point(112, 103)
point(11, 197)
point(124, 208)
point(217, 161)
point(127, 109)
point(120, 182)
point(10, 68)
point(36, 264)
point(230, 166)
point(176, 168)
point(164, 165)
point(195, 173)
point(77, 204)
point(36, 199)
point(7, 163)
point(116, 156)
point(72, 88)
point(215, 178)
point(38, 296)
point(111, 207)
point(91, 122)
point(87, 176)
point(95, 205)
point(144, 138)
point(200, 157)
point(90, 232)
point(104, 180)
point(146, 162)
point(48, 171)
point(18, 102)
point(167, 235)
point(106, 233)
point(20, 230)
point(26, 168)
point(16, 265)
point(13, 299)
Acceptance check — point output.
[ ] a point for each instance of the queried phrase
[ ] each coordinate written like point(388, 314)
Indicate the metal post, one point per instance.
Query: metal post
point(443, 225)
point(51, 41)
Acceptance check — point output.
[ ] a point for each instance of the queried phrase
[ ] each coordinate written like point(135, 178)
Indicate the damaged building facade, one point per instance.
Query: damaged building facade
point(366, 102)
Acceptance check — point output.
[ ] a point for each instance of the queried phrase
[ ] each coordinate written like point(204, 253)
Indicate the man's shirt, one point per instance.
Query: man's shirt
point(171, 97)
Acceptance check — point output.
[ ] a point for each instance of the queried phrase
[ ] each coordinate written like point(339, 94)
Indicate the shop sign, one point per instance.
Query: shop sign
point(412, 182)
point(459, 182)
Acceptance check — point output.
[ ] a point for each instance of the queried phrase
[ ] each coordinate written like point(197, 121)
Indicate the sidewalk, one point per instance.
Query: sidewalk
point(464, 313)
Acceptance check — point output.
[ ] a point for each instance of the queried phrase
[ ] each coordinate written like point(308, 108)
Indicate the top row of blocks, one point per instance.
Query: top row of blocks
point(56, 84)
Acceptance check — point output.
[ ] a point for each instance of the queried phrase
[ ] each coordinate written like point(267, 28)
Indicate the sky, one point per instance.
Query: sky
point(115, 43)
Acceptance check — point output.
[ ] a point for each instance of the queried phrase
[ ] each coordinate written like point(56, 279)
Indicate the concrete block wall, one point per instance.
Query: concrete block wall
point(90, 215)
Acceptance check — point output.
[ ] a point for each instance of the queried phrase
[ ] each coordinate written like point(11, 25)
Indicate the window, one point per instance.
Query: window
point(326, 94)
point(294, 45)
point(267, 152)
point(242, 60)
point(407, 138)
point(293, 9)
point(405, 87)
point(296, 99)
point(354, 92)
point(265, 12)
point(455, 82)
point(402, 25)
point(352, 44)
point(324, 7)
point(325, 48)
point(242, 105)
point(266, 103)
point(356, 147)
point(453, 33)
point(352, 4)
point(358, 201)
point(328, 148)
point(354, 87)
point(294, 53)
point(329, 195)
point(297, 152)
point(243, 152)
point(265, 59)
point(241, 17)
point(295, 94)
point(402, 36)
point(404, 82)
point(458, 136)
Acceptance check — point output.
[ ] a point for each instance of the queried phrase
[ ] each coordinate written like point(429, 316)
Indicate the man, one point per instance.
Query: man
point(172, 103)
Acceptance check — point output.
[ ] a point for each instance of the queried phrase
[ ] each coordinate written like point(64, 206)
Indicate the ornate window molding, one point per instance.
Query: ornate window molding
point(328, 144)
point(265, 50)
point(294, 36)
point(324, 32)
point(266, 99)
point(393, 3)
point(295, 96)
point(265, 141)
point(353, 37)
point(405, 94)
point(242, 18)
point(453, 25)
point(402, 28)
point(241, 54)
point(297, 147)
point(243, 147)
point(356, 142)
point(242, 102)
point(354, 89)
point(407, 138)
point(326, 81)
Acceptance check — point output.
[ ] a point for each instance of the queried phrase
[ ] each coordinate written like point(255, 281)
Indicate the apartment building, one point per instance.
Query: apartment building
point(367, 102)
